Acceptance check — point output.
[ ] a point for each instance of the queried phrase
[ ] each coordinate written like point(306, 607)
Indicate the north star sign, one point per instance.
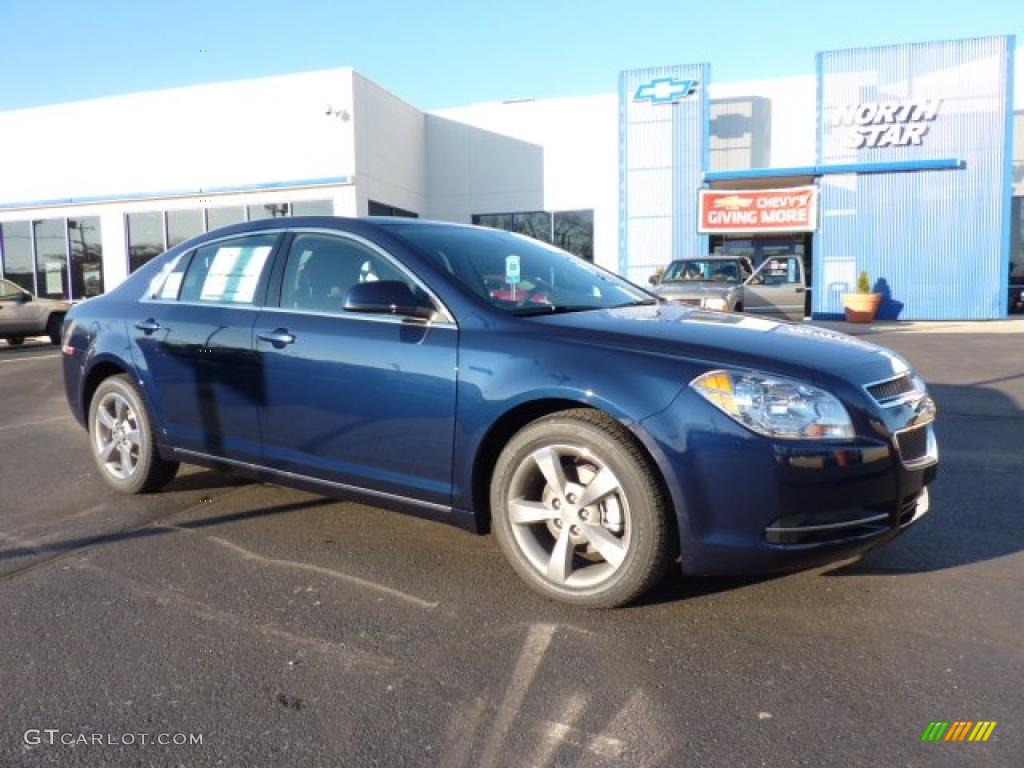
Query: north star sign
point(665, 90)
point(874, 125)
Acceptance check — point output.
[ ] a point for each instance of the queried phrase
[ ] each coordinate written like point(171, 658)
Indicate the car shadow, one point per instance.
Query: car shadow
point(155, 529)
point(206, 479)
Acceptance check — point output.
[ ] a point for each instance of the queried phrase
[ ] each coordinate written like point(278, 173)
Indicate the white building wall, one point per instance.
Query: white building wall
point(228, 134)
point(506, 157)
point(390, 149)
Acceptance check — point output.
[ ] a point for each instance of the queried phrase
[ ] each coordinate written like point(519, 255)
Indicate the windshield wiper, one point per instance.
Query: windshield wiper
point(552, 309)
point(637, 303)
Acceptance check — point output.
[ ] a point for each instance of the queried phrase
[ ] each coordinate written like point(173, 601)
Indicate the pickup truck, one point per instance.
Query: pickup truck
point(729, 284)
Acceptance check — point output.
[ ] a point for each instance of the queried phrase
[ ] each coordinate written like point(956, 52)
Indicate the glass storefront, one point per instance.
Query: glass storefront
point(54, 258)
point(1016, 287)
point(51, 244)
point(86, 250)
point(572, 231)
point(17, 263)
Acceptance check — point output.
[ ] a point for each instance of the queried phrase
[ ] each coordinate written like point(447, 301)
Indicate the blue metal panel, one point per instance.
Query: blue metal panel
point(663, 152)
point(898, 166)
point(934, 243)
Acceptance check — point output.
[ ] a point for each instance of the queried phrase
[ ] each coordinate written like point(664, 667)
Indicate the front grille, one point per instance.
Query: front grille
point(913, 444)
point(893, 389)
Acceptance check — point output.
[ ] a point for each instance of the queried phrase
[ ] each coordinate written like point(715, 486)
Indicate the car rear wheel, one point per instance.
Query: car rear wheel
point(15, 341)
point(578, 510)
point(121, 436)
point(53, 328)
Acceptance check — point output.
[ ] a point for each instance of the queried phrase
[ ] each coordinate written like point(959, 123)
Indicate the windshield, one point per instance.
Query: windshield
point(697, 270)
point(518, 274)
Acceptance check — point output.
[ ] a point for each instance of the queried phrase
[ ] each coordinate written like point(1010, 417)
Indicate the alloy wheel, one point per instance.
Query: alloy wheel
point(569, 516)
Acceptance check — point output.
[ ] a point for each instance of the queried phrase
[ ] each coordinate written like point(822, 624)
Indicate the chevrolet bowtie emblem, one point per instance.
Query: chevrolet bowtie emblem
point(665, 90)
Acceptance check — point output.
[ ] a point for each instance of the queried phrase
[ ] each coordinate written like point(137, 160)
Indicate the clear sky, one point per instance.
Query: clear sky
point(441, 53)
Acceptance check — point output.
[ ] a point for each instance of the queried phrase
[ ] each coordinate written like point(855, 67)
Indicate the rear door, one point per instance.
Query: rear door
point(365, 400)
point(776, 289)
point(193, 346)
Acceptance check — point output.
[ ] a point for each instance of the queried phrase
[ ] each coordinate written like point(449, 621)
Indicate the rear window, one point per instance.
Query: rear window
point(226, 272)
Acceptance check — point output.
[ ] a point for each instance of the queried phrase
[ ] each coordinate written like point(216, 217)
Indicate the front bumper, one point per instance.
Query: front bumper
point(746, 504)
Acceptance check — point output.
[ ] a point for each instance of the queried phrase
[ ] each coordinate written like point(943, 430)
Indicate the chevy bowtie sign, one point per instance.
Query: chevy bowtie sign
point(875, 125)
point(664, 90)
point(758, 210)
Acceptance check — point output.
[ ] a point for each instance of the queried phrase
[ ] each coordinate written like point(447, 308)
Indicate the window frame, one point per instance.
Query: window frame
point(151, 295)
point(445, 319)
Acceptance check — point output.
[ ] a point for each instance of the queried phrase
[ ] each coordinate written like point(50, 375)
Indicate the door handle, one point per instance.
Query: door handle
point(148, 326)
point(278, 337)
point(800, 289)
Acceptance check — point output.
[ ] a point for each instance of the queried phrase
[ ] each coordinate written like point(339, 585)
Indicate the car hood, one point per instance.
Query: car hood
point(729, 339)
point(694, 290)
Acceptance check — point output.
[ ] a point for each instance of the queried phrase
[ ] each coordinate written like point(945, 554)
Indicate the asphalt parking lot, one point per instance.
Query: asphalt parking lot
point(287, 629)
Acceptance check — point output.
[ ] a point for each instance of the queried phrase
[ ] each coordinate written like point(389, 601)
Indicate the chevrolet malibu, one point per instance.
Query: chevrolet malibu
point(601, 434)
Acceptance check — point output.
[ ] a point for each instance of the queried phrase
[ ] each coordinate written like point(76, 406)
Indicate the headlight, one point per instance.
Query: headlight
point(716, 304)
point(775, 406)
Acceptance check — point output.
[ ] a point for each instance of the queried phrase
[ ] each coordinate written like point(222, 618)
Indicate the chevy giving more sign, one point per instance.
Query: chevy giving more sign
point(758, 210)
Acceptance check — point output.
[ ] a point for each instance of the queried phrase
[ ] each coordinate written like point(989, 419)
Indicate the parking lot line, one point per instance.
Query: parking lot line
point(22, 424)
point(246, 554)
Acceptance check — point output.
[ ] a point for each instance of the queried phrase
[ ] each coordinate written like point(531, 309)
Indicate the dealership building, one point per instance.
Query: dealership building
point(905, 162)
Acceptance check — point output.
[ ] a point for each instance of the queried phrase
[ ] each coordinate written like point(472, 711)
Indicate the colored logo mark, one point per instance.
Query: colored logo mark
point(665, 90)
point(733, 202)
point(958, 730)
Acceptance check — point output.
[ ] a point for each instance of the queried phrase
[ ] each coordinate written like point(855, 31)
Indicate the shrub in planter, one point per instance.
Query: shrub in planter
point(862, 306)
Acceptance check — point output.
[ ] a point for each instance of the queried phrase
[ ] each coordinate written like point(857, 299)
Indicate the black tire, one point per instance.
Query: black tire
point(739, 307)
point(15, 341)
point(148, 471)
point(644, 545)
point(54, 327)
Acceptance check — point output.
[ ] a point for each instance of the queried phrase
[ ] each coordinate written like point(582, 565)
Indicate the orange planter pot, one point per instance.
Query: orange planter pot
point(861, 307)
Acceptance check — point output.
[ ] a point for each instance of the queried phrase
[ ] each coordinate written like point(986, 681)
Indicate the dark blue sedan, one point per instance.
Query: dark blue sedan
point(491, 381)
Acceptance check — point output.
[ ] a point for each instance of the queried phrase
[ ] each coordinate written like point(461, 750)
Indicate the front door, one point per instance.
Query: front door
point(358, 399)
point(19, 313)
point(193, 340)
point(776, 289)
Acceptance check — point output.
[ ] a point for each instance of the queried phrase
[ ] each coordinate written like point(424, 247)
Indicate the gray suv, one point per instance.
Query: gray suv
point(22, 314)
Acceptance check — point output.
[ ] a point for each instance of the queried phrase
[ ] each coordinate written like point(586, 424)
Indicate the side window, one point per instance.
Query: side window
point(8, 290)
point(321, 269)
point(779, 271)
point(227, 272)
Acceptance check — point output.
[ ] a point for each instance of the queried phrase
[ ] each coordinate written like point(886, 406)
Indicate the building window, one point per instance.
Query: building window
point(16, 247)
point(50, 238)
point(86, 248)
point(313, 208)
point(145, 238)
point(184, 224)
point(223, 217)
point(572, 231)
point(382, 209)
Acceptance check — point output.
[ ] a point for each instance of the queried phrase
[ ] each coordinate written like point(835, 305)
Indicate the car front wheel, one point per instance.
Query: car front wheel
point(15, 341)
point(121, 436)
point(579, 512)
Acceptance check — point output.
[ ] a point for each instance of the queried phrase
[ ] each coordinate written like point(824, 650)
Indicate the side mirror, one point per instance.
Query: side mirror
point(387, 297)
point(24, 298)
point(654, 280)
